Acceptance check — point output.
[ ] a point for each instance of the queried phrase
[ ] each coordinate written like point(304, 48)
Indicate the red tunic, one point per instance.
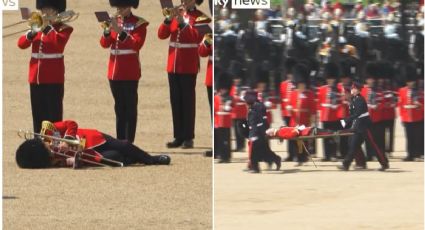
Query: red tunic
point(222, 116)
point(374, 103)
point(328, 107)
point(411, 106)
point(239, 108)
point(292, 132)
point(343, 109)
point(124, 61)
point(206, 51)
point(183, 51)
point(47, 62)
point(303, 107)
point(389, 105)
point(286, 87)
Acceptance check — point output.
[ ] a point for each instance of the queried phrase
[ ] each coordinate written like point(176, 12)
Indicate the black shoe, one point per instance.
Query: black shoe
point(174, 144)
point(162, 160)
point(325, 159)
point(342, 167)
point(288, 159)
point(278, 163)
point(187, 144)
point(409, 159)
point(257, 170)
point(384, 167)
point(221, 161)
point(208, 153)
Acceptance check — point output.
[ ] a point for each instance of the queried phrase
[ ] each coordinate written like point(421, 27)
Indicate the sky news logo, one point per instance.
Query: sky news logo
point(244, 4)
point(9, 5)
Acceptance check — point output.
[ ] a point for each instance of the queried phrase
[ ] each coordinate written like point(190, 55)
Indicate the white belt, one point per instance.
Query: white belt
point(222, 113)
point(183, 45)
point(240, 103)
point(410, 106)
point(326, 105)
point(364, 115)
point(46, 56)
point(122, 52)
point(260, 124)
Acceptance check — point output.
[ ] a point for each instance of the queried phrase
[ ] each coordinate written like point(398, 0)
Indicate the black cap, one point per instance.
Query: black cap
point(123, 3)
point(59, 5)
point(331, 70)
point(250, 96)
point(33, 154)
point(357, 85)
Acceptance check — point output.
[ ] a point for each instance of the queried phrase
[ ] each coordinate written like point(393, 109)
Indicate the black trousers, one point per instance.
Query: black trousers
point(124, 151)
point(210, 95)
point(355, 144)
point(126, 99)
point(260, 151)
point(329, 144)
point(222, 143)
point(240, 139)
point(414, 138)
point(389, 135)
point(183, 103)
point(378, 132)
point(46, 103)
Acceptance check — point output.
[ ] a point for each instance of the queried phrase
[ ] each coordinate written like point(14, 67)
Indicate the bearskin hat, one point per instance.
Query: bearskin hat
point(331, 71)
point(372, 70)
point(410, 73)
point(301, 73)
point(199, 2)
point(59, 5)
point(33, 154)
point(118, 3)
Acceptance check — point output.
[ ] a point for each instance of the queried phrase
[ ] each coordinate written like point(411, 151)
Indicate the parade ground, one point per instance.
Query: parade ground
point(322, 198)
point(178, 196)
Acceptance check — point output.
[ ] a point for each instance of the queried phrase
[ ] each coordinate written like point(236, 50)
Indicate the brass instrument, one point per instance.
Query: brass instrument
point(107, 24)
point(27, 135)
point(37, 22)
point(171, 12)
point(208, 38)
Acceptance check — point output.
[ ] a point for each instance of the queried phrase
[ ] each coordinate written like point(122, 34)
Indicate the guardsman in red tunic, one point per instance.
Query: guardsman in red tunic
point(348, 70)
point(374, 102)
point(125, 37)
point(239, 113)
point(205, 50)
point(36, 153)
point(411, 109)
point(47, 68)
point(183, 66)
point(222, 118)
point(329, 101)
point(385, 85)
point(303, 105)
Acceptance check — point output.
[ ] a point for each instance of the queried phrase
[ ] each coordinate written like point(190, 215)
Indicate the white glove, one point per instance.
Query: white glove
point(301, 128)
point(343, 123)
point(271, 132)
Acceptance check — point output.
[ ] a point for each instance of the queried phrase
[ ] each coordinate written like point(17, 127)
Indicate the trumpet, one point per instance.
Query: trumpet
point(27, 135)
point(171, 12)
point(37, 21)
point(208, 38)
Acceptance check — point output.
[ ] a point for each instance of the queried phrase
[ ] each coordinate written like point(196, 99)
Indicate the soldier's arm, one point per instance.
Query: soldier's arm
point(68, 127)
point(204, 49)
point(164, 30)
point(135, 40)
point(62, 35)
point(25, 40)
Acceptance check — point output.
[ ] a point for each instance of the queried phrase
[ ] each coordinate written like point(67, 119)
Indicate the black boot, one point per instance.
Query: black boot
point(175, 143)
point(161, 160)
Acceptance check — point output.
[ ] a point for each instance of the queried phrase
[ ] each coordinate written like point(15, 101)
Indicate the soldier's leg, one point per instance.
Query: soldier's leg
point(53, 99)
point(210, 95)
point(370, 150)
point(421, 137)
point(355, 143)
point(328, 143)
point(410, 140)
point(226, 144)
point(36, 106)
point(119, 98)
point(240, 139)
point(218, 143)
point(176, 101)
point(131, 109)
point(188, 82)
point(382, 158)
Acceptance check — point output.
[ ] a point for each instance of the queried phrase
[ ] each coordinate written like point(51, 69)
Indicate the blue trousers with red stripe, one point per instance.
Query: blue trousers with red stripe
point(355, 151)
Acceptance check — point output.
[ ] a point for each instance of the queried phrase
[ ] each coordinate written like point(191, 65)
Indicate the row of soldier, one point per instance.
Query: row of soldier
point(124, 34)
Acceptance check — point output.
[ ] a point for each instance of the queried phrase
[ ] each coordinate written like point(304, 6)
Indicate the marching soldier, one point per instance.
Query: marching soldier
point(222, 118)
point(329, 102)
point(411, 109)
point(374, 103)
point(360, 125)
point(183, 64)
point(258, 143)
point(205, 50)
point(125, 35)
point(46, 67)
point(303, 106)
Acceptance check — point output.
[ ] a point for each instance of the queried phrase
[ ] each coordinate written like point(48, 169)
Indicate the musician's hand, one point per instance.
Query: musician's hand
point(114, 25)
point(70, 161)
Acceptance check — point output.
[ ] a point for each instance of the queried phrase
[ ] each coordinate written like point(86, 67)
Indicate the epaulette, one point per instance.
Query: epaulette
point(141, 21)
